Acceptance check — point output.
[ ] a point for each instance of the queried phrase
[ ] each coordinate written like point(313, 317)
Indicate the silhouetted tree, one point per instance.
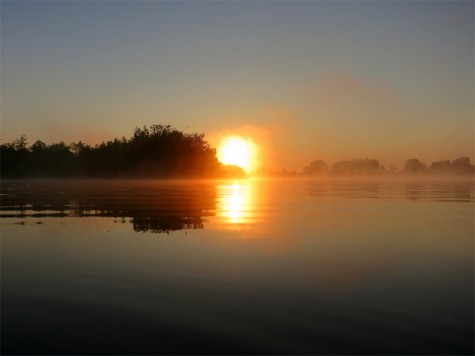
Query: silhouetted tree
point(357, 167)
point(317, 167)
point(38, 147)
point(413, 165)
point(460, 165)
point(15, 158)
point(441, 167)
point(20, 144)
point(156, 151)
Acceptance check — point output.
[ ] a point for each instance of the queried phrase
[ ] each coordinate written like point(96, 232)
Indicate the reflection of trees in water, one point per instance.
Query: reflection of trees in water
point(152, 206)
point(415, 191)
point(444, 190)
point(157, 224)
point(357, 190)
point(345, 189)
point(450, 190)
point(440, 191)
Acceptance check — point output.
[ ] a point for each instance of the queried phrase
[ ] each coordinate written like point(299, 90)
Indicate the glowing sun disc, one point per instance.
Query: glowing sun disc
point(238, 151)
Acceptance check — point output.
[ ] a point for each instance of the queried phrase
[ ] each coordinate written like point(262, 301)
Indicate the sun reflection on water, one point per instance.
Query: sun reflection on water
point(236, 203)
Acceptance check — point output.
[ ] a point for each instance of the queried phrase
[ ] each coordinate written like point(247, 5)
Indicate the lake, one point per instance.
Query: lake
point(237, 267)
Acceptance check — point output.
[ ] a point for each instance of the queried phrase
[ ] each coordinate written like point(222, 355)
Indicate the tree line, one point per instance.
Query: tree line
point(412, 166)
point(158, 151)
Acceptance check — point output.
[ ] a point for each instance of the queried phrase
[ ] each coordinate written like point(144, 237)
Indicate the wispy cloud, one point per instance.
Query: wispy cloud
point(342, 95)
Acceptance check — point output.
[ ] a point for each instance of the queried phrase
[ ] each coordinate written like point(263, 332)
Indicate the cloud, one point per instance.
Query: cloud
point(340, 95)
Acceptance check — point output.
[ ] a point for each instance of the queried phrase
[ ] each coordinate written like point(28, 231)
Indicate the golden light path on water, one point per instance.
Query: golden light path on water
point(236, 201)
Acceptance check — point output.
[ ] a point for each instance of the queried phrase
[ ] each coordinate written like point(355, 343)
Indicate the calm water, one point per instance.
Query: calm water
point(271, 267)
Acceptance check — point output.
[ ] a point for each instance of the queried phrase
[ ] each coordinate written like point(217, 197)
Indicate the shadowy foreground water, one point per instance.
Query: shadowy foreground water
point(237, 267)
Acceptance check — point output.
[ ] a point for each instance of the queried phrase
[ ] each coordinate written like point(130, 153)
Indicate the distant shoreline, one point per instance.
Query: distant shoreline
point(163, 152)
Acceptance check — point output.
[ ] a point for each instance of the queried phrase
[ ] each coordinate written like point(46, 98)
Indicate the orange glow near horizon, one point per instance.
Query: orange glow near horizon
point(238, 151)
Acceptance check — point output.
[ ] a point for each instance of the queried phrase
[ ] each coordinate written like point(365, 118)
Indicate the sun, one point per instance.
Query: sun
point(238, 151)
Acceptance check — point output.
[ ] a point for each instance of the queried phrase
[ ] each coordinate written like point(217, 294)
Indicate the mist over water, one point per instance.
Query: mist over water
point(319, 266)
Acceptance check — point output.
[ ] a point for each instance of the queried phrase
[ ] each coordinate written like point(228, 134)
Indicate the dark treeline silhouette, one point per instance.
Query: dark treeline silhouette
point(156, 151)
point(413, 166)
point(357, 166)
point(460, 165)
point(348, 167)
point(316, 167)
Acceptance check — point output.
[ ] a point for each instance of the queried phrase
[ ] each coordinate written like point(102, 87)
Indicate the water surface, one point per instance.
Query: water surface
point(202, 267)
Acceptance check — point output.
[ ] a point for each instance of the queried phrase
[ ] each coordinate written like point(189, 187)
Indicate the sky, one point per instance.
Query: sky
point(304, 80)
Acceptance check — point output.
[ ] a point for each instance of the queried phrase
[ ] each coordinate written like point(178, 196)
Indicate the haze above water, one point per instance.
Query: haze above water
point(251, 266)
